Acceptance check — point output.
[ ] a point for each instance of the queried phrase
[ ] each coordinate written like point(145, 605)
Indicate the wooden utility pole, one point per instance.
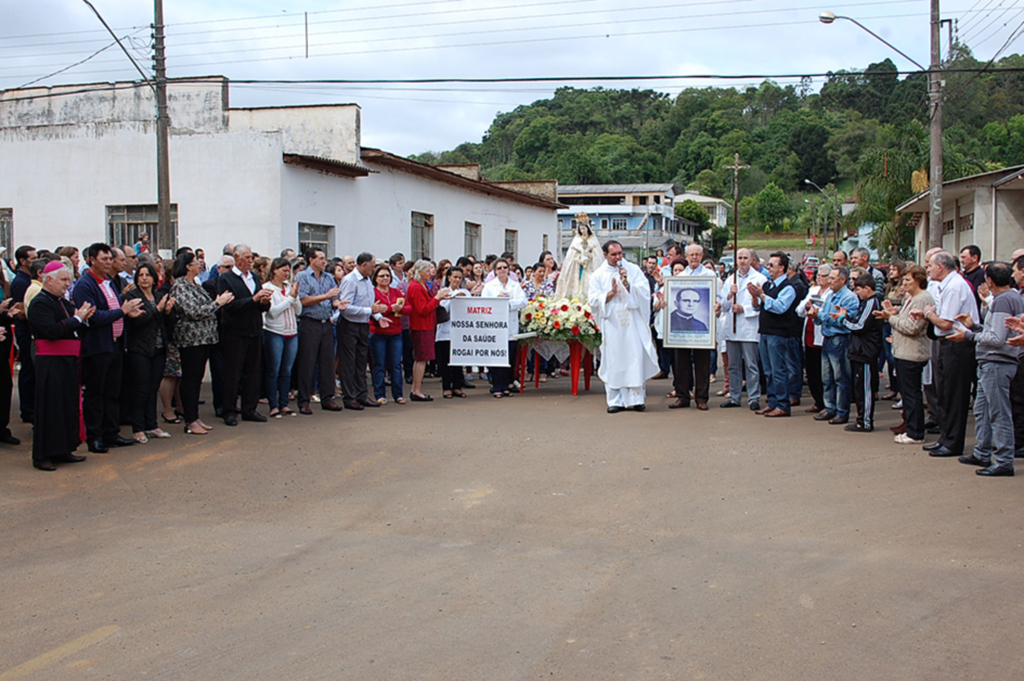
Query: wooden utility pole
point(935, 101)
point(164, 232)
point(736, 168)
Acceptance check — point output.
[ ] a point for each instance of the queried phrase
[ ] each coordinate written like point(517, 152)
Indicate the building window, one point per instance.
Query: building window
point(947, 226)
point(125, 224)
point(512, 241)
point(7, 230)
point(604, 223)
point(642, 200)
point(572, 225)
point(618, 224)
point(422, 236)
point(657, 199)
point(315, 236)
point(966, 222)
point(472, 242)
point(544, 243)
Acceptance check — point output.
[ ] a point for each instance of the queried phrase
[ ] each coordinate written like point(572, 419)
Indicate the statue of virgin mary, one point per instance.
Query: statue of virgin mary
point(581, 260)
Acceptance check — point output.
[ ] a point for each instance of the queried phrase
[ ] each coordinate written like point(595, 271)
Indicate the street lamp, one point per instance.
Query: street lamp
point(935, 100)
point(835, 213)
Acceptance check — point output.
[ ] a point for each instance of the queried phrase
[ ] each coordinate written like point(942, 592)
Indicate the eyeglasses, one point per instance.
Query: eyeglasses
point(501, 267)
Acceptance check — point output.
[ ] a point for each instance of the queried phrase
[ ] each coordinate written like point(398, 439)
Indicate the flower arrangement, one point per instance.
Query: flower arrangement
point(561, 319)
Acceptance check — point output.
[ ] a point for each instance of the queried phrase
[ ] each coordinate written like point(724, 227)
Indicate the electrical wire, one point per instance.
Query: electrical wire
point(977, 16)
point(978, 40)
point(981, 30)
point(68, 68)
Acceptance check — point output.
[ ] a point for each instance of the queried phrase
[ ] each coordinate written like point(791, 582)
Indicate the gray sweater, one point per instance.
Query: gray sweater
point(991, 337)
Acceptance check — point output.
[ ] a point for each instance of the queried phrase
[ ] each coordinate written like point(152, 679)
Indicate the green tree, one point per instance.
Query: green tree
point(693, 211)
point(771, 207)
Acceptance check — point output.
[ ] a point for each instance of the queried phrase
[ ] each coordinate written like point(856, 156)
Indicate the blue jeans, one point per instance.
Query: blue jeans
point(775, 358)
point(386, 352)
point(835, 374)
point(795, 359)
point(279, 355)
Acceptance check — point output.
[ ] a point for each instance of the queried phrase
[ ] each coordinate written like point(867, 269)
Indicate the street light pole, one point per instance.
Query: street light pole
point(835, 213)
point(935, 113)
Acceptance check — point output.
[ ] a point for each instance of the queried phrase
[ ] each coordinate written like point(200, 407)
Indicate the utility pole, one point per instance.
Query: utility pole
point(935, 100)
point(736, 168)
point(163, 235)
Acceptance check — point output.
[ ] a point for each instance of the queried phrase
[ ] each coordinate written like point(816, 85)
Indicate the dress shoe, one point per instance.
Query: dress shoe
point(934, 430)
point(254, 416)
point(368, 403)
point(755, 407)
point(97, 447)
point(971, 460)
point(306, 410)
point(329, 405)
point(814, 409)
point(352, 404)
point(680, 404)
point(930, 424)
point(728, 405)
point(857, 428)
point(902, 428)
point(119, 442)
point(230, 419)
point(70, 458)
point(824, 415)
point(659, 376)
point(762, 412)
point(943, 452)
point(934, 445)
point(995, 472)
point(615, 410)
point(703, 406)
point(639, 407)
point(776, 413)
point(794, 401)
point(838, 420)
point(44, 465)
point(10, 440)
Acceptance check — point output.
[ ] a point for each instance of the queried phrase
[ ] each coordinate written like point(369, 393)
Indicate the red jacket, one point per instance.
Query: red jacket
point(389, 299)
point(423, 305)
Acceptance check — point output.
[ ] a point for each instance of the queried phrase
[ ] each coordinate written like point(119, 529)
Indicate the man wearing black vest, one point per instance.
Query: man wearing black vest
point(241, 335)
point(777, 301)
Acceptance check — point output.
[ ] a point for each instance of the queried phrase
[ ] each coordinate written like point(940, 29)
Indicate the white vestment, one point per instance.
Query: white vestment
point(581, 260)
point(628, 357)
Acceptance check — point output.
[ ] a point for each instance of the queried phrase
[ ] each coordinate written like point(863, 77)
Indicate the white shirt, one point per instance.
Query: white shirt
point(746, 321)
point(283, 312)
point(517, 300)
point(250, 282)
point(823, 292)
point(956, 297)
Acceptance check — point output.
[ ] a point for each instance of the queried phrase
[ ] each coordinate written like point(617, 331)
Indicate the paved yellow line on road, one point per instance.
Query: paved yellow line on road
point(57, 654)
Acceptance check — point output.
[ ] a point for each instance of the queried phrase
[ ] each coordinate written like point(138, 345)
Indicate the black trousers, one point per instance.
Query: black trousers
point(6, 383)
point(692, 372)
point(407, 355)
point(956, 369)
point(193, 366)
point(217, 378)
point(913, 396)
point(353, 356)
point(101, 398)
point(452, 377)
point(316, 347)
point(144, 376)
point(27, 374)
point(812, 363)
point(242, 355)
point(1017, 404)
point(864, 377)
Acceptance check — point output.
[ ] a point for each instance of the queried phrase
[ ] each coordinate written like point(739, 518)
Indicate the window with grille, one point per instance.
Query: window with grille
point(948, 226)
point(619, 223)
point(472, 241)
point(125, 224)
point(512, 241)
point(966, 222)
point(7, 230)
point(316, 236)
point(422, 236)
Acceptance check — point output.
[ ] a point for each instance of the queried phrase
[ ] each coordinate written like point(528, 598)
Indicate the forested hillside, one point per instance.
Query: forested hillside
point(865, 131)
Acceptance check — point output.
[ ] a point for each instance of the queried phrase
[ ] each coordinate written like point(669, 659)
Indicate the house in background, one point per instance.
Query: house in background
point(985, 210)
point(639, 216)
point(80, 166)
point(718, 209)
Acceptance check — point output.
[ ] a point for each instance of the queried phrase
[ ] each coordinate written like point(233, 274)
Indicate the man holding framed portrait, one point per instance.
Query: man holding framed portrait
point(691, 298)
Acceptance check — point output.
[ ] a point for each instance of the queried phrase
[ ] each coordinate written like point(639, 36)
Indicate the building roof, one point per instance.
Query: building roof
point(327, 165)
point(615, 188)
point(383, 158)
point(956, 189)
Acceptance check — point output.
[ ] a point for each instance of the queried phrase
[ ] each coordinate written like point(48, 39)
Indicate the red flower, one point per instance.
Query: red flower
point(575, 330)
point(565, 308)
point(558, 325)
point(528, 316)
point(588, 315)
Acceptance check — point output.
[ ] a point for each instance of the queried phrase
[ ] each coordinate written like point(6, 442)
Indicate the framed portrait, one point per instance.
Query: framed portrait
point(690, 312)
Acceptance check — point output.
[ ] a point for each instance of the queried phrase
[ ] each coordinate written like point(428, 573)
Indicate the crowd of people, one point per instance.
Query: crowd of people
point(943, 335)
point(113, 336)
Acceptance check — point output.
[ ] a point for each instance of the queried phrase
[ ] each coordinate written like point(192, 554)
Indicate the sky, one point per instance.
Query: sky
point(416, 39)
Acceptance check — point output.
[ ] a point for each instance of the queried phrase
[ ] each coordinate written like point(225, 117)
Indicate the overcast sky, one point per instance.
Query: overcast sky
point(403, 39)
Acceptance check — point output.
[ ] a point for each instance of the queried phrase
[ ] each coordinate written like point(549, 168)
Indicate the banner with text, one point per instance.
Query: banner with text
point(480, 332)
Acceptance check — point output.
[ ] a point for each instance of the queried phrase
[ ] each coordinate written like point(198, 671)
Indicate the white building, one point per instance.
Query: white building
point(718, 209)
point(80, 166)
point(984, 210)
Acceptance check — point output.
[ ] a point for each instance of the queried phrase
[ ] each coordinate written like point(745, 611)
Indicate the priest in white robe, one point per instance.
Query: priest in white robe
point(620, 299)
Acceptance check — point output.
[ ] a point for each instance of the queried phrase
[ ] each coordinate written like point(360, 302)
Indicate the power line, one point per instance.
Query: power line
point(981, 41)
point(977, 16)
point(68, 68)
point(982, 29)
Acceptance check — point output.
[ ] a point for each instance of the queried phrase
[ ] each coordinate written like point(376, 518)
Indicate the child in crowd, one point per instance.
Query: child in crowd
point(865, 349)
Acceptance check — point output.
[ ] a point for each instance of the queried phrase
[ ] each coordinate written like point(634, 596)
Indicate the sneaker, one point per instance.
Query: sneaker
point(904, 439)
point(898, 405)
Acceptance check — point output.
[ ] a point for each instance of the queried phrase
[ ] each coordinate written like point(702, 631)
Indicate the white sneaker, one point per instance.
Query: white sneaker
point(904, 439)
point(897, 406)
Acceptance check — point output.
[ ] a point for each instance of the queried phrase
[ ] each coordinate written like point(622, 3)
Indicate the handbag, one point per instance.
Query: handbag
point(443, 315)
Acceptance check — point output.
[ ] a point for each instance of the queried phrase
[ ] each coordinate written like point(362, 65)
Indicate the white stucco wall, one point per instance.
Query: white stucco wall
point(374, 214)
point(326, 131)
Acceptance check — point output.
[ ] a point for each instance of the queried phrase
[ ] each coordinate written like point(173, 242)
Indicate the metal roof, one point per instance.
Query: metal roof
point(961, 187)
point(615, 188)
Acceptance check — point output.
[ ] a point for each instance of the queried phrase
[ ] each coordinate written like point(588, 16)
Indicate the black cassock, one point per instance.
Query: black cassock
point(56, 427)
